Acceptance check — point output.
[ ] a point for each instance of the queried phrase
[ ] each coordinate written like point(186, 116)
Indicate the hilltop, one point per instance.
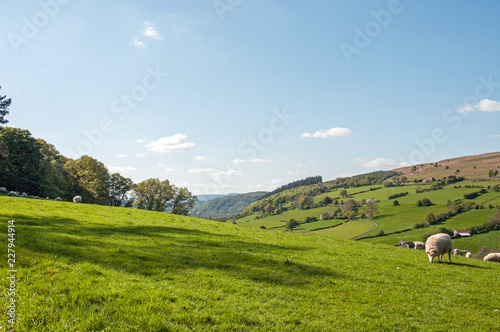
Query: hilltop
point(226, 205)
point(84, 267)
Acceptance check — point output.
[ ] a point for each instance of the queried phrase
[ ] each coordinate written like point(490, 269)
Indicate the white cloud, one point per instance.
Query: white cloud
point(296, 172)
point(137, 43)
point(199, 158)
point(172, 144)
point(122, 155)
point(169, 170)
point(276, 181)
point(140, 155)
point(333, 132)
point(494, 136)
point(141, 140)
point(122, 169)
point(266, 186)
point(378, 162)
point(485, 105)
point(250, 161)
point(216, 174)
point(150, 31)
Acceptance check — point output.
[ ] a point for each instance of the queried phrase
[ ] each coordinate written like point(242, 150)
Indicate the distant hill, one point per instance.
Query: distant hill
point(475, 167)
point(226, 205)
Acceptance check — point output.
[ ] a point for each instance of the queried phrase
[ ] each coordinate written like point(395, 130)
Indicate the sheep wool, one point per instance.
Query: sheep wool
point(493, 257)
point(437, 245)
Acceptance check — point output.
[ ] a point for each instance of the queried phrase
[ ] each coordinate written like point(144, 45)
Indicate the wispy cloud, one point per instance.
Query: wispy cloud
point(268, 186)
point(137, 43)
point(150, 31)
point(122, 169)
point(140, 155)
point(333, 132)
point(170, 170)
point(216, 174)
point(485, 105)
point(378, 162)
point(171, 144)
point(296, 172)
point(199, 158)
point(494, 136)
point(141, 140)
point(250, 161)
point(122, 155)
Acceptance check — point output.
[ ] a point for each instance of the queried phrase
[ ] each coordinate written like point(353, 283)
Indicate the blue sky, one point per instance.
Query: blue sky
point(235, 95)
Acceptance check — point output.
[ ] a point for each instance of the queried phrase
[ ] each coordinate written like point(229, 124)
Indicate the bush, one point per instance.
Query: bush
point(380, 233)
point(419, 203)
point(426, 202)
point(445, 230)
point(419, 225)
point(395, 203)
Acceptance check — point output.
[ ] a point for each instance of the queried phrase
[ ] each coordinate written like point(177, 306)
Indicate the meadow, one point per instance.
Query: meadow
point(85, 267)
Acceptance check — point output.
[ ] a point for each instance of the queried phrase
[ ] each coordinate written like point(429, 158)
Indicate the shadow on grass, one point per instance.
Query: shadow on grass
point(468, 265)
point(157, 251)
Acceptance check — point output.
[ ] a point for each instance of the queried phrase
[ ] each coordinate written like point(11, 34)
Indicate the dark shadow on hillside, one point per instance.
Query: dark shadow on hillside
point(468, 265)
point(159, 251)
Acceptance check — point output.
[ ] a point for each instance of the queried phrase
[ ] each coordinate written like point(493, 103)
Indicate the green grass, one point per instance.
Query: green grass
point(347, 230)
point(92, 268)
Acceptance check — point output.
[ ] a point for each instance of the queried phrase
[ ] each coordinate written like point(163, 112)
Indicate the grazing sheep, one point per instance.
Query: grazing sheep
point(24, 195)
point(59, 199)
point(77, 199)
point(13, 193)
point(493, 257)
point(3, 190)
point(468, 255)
point(419, 245)
point(437, 245)
point(458, 252)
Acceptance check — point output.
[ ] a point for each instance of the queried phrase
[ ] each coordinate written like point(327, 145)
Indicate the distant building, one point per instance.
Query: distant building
point(460, 233)
point(429, 180)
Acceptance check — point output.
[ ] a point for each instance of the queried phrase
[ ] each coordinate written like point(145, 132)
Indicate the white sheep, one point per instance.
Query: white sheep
point(3, 190)
point(458, 252)
point(419, 245)
point(59, 199)
point(77, 199)
point(13, 193)
point(468, 254)
point(493, 257)
point(437, 245)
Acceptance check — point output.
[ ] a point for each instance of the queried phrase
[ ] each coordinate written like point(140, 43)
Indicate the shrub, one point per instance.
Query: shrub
point(426, 202)
point(430, 218)
point(395, 203)
point(419, 225)
point(419, 203)
point(380, 233)
point(445, 230)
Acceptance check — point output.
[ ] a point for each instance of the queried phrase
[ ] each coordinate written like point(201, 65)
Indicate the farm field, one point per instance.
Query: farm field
point(95, 268)
point(393, 218)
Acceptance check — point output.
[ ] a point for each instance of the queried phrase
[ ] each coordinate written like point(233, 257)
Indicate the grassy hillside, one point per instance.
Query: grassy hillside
point(226, 206)
point(95, 268)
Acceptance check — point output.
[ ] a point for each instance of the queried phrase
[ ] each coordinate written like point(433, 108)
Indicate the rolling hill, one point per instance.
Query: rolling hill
point(226, 205)
point(83, 267)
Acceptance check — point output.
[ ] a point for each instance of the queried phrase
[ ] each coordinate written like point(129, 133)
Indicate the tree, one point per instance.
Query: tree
point(349, 205)
point(90, 179)
point(4, 108)
point(20, 161)
point(371, 209)
point(119, 186)
point(430, 218)
point(291, 224)
point(154, 195)
point(343, 193)
point(327, 200)
point(305, 202)
point(56, 180)
point(183, 201)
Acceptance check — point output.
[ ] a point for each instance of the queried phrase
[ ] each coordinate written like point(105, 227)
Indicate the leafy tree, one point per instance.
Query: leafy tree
point(154, 195)
point(305, 202)
point(4, 108)
point(183, 201)
point(327, 200)
point(119, 186)
point(426, 201)
point(56, 179)
point(349, 206)
point(352, 215)
point(291, 224)
point(90, 179)
point(371, 209)
point(343, 193)
point(430, 218)
point(20, 160)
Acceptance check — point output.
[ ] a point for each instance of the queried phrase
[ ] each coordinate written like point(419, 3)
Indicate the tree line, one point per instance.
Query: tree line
point(36, 167)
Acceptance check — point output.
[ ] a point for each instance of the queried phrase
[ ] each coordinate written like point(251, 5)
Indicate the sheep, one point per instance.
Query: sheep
point(419, 245)
point(77, 199)
point(3, 190)
point(24, 194)
point(437, 245)
point(13, 193)
point(58, 199)
point(493, 257)
point(468, 254)
point(458, 252)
